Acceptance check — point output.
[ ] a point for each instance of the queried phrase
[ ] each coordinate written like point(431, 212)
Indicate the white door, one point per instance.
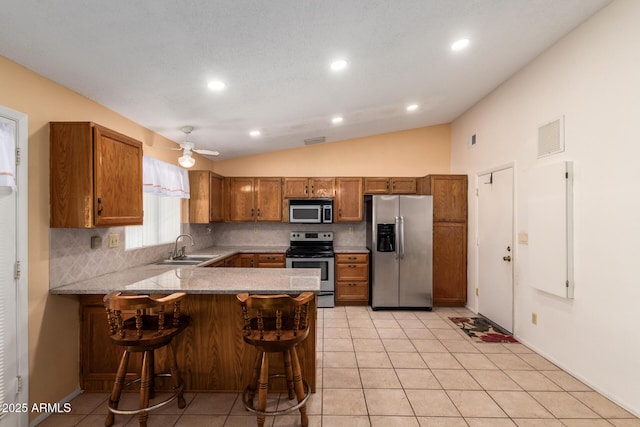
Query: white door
point(495, 247)
point(13, 332)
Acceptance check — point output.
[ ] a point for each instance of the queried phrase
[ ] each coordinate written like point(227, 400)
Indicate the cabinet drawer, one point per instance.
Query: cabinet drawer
point(352, 290)
point(270, 260)
point(352, 258)
point(352, 271)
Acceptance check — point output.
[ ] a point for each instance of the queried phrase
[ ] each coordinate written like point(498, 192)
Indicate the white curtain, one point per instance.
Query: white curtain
point(164, 179)
point(8, 156)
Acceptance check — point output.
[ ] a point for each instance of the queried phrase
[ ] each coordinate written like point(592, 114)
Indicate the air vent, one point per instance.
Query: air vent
point(316, 140)
point(551, 138)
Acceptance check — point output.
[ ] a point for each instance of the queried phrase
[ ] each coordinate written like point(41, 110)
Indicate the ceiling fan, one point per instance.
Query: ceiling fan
point(187, 147)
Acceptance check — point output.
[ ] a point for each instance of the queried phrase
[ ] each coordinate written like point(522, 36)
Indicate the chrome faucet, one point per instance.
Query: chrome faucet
point(180, 253)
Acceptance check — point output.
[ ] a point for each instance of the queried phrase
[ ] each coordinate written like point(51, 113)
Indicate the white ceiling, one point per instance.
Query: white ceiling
point(151, 60)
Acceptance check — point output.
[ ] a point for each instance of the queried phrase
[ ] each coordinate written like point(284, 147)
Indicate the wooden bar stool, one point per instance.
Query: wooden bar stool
point(276, 324)
point(141, 324)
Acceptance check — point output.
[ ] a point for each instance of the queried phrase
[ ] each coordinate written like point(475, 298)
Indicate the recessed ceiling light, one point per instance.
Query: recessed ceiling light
point(336, 120)
point(255, 133)
point(216, 85)
point(339, 65)
point(412, 107)
point(460, 44)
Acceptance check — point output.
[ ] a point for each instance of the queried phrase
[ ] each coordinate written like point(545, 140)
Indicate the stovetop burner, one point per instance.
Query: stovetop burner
point(310, 244)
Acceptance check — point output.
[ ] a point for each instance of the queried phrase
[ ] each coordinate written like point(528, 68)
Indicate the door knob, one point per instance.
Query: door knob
point(507, 258)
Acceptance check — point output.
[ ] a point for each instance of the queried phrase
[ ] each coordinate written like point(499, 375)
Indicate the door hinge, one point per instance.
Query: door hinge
point(567, 283)
point(18, 384)
point(17, 156)
point(17, 270)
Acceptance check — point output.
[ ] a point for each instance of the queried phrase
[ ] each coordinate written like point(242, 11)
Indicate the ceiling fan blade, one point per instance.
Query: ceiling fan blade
point(207, 152)
point(172, 149)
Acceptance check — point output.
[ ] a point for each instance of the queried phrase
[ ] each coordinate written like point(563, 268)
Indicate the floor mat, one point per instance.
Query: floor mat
point(482, 330)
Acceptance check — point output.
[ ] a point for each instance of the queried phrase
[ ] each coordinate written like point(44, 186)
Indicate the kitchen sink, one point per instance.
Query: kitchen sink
point(187, 260)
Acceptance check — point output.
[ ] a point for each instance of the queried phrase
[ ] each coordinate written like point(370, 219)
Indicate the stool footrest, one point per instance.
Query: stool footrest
point(249, 405)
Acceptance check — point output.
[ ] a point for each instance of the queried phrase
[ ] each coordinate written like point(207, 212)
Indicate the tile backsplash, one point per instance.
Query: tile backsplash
point(72, 259)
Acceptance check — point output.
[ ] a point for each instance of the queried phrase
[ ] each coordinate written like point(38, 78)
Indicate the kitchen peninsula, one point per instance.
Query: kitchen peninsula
point(211, 353)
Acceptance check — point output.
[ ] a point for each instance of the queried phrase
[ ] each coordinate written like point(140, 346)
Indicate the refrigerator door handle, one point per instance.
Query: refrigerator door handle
point(402, 237)
point(397, 237)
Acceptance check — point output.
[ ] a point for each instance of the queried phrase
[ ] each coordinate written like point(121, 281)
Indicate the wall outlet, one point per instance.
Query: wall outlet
point(114, 240)
point(534, 318)
point(477, 292)
point(255, 229)
point(350, 230)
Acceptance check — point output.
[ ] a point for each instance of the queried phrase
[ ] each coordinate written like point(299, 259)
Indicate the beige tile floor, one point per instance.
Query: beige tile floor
point(401, 369)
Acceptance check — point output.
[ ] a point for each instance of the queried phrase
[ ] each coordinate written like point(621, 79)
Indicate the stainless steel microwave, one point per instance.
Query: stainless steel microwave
point(311, 211)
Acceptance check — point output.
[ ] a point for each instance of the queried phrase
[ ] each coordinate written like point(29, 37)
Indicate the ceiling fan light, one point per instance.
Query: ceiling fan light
point(186, 161)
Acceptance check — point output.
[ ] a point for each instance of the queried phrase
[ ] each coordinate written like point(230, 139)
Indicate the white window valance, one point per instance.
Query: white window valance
point(7, 156)
point(164, 179)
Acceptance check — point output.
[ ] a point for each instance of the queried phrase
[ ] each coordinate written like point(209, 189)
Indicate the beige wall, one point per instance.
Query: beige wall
point(415, 152)
point(53, 320)
point(591, 78)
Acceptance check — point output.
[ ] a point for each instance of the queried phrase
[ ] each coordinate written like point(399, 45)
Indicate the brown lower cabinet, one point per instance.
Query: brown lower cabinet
point(211, 353)
point(352, 279)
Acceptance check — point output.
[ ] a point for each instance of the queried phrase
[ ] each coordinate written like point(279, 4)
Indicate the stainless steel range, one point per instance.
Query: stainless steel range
point(315, 250)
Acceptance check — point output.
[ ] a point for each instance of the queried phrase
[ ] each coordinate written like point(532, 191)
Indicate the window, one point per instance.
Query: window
point(164, 186)
point(161, 222)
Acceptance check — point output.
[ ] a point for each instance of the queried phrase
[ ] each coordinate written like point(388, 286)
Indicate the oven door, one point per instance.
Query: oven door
point(326, 297)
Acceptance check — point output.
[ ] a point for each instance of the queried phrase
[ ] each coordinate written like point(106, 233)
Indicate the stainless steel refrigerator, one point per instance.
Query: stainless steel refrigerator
point(400, 238)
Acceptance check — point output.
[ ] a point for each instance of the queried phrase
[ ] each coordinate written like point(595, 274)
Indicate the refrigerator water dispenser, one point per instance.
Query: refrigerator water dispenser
point(386, 237)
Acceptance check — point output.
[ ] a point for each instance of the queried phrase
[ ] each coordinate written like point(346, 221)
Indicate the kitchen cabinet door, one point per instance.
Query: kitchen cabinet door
point(295, 188)
point(240, 203)
point(376, 185)
point(389, 185)
point(254, 199)
point(302, 188)
point(449, 264)
point(323, 187)
point(268, 199)
point(449, 197)
point(403, 185)
point(349, 200)
point(95, 176)
point(216, 204)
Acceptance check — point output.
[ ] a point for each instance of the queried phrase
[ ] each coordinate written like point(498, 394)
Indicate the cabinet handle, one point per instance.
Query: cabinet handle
point(387, 182)
point(339, 212)
point(258, 212)
point(306, 189)
point(251, 212)
point(100, 207)
point(313, 190)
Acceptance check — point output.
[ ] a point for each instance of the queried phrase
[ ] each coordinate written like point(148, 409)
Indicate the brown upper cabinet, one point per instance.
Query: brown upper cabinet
point(254, 199)
point(348, 206)
point(302, 188)
point(449, 196)
point(95, 176)
point(389, 186)
point(206, 200)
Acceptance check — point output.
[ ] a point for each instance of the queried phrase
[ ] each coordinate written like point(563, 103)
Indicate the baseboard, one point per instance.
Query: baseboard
point(40, 418)
point(568, 370)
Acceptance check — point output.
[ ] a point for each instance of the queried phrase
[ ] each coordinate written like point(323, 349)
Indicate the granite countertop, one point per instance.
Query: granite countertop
point(198, 280)
point(154, 278)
